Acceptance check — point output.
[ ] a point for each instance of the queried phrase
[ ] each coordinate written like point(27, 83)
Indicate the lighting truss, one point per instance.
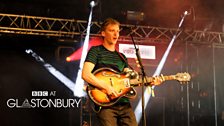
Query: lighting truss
point(69, 28)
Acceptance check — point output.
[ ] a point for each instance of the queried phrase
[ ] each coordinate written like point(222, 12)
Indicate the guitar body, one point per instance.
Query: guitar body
point(118, 81)
point(123, 86)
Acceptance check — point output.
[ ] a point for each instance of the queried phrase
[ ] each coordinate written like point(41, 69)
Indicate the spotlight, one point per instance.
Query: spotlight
point(93, 3)
point(135, 16)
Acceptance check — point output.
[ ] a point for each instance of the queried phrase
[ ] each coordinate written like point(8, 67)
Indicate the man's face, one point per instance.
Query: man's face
point(111, 33)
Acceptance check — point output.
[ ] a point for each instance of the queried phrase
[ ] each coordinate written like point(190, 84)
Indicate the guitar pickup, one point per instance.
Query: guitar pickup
point(127, 82)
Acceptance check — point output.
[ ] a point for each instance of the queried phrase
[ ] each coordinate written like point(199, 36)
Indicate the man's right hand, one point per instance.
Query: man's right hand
point(110, 90)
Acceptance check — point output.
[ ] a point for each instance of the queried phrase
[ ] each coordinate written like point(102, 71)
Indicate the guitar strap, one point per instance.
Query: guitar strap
point(122, 57)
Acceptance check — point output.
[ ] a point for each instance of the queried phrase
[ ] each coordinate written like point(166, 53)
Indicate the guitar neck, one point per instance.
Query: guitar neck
point(148, 80)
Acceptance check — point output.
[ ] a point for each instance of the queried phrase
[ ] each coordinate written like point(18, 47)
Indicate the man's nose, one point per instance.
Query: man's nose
point(116, 33)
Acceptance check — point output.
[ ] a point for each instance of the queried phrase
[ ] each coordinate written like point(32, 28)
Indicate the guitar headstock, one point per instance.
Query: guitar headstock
point(183, 77)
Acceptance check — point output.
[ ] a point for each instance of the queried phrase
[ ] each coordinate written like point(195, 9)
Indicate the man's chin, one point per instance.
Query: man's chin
point(113, 42)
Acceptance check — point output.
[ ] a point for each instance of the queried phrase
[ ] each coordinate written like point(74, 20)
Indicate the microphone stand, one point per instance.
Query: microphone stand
point(142, 68)
point(143, 81)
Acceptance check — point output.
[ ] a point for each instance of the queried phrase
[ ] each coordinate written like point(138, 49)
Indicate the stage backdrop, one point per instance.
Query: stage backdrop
point(31, 95)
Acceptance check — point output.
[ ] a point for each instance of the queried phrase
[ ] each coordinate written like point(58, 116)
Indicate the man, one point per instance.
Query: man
point(105, 55)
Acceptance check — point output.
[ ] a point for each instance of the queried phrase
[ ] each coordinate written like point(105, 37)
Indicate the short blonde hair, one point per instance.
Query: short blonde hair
point(107, 22)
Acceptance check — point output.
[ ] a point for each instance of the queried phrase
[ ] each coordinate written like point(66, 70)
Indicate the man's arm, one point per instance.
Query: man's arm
point(88, 76)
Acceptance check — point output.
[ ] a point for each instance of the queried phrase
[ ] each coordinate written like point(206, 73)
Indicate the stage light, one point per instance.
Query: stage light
point(138, 110)
point(68, 59)
point(135, 16)
point(79, 83)
point(93, 3)
point(77, 54)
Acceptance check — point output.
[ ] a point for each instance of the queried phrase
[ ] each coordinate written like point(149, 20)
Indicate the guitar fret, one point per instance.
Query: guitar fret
point(171, 77)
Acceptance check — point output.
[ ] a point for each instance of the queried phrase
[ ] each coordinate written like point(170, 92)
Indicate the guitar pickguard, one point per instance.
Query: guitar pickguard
point(118, 81)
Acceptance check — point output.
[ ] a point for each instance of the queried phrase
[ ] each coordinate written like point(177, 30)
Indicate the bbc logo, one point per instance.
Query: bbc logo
point(39, 93)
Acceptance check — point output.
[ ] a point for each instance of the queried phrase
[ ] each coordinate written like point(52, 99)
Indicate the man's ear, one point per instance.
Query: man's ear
point(103, 33)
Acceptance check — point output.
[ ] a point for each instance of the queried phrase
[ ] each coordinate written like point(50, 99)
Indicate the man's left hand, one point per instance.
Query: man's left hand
point(157, 80)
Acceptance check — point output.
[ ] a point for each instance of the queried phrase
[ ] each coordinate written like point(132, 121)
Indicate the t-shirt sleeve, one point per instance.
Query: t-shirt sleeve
point(92, 55)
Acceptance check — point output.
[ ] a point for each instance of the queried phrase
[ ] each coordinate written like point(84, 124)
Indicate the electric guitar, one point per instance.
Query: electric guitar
point(122, 85)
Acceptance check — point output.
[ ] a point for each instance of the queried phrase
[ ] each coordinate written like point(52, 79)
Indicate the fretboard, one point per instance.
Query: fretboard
point(148, 80)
